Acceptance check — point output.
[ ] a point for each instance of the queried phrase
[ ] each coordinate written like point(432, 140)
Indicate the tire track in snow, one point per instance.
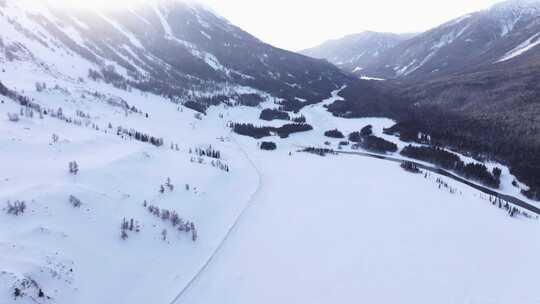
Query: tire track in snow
point(229, 232)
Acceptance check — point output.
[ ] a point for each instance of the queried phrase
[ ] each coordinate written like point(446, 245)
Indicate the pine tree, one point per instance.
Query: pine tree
point(194, 235)
point(125, 224)
point(169, 184)
point(75, 201)
point(164, 234)
point(124, 235)
point(73, 168)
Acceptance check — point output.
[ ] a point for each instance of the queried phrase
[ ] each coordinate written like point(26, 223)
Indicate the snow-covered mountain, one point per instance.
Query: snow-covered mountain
point(507, 32)
point(353, 52)
point(167, 47)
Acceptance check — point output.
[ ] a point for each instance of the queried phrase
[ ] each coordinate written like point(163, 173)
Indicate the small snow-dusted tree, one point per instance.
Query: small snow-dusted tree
point(169, 184)
point(175, 219)
point(17, 293)
point(164, 234)
point(165, 215)
point(194, 234)
point(161, 189)
point(125, 224)
point(181, 225)
point(40, 87)
point(73, 168)
point(16, 208)
point(154, 210)
point(75, 202)
point(497, 172)
point(124, 236)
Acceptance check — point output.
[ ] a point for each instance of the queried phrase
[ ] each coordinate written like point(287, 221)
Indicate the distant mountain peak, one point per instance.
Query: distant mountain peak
point(506, 31)
point(355, 51)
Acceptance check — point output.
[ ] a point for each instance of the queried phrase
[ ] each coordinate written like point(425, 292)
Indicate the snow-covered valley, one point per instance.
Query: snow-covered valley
point(315, 229)
point(115, 188)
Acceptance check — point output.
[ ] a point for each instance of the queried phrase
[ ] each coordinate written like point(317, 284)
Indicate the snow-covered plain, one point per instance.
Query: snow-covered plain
point(354, 230)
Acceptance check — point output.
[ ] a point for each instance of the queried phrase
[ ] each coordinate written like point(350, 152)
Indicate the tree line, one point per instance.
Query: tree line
point(258, 132)
point(453, 162)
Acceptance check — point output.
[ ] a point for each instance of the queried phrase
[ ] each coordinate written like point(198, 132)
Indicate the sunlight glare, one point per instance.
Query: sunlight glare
point(84, 4)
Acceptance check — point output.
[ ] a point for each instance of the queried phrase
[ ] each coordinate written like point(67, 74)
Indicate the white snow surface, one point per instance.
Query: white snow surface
point(348, 230)
point(524, 47)
point(371, 78)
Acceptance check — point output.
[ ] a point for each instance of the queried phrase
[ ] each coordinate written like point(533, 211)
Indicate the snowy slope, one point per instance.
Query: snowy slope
point(75, 254)
point(526, 46)
point(158, 46)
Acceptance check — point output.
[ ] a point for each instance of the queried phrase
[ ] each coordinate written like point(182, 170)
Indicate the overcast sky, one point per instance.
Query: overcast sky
point(300, 24)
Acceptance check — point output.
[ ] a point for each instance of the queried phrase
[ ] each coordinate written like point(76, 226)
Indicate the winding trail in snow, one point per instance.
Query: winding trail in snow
point(334, 96)
point(231, 230)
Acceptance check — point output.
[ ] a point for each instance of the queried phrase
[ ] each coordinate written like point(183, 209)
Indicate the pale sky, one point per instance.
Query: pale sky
point(299, 24)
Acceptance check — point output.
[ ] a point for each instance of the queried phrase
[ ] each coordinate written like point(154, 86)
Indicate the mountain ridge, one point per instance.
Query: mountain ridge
point(355, 51)
point(467, 43)
point(165, 46)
